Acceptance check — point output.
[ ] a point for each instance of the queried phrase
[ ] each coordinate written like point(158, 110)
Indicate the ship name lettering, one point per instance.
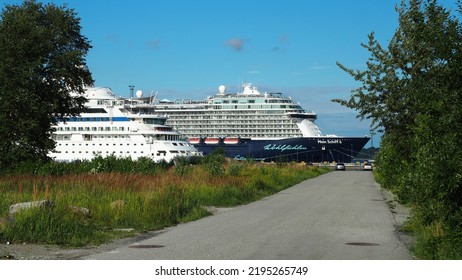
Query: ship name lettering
point(239, 157)
point(329, 141)
point(283, 148)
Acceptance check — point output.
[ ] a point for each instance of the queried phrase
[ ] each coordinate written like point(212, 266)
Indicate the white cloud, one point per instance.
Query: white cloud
point(154, 44)
point(235, 43)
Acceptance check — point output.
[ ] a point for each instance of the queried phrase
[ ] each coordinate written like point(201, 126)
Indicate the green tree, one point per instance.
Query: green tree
point(42, 60)
point(412, 91)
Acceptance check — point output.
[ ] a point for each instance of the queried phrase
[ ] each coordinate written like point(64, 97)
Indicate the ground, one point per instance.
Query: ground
point(399, 212)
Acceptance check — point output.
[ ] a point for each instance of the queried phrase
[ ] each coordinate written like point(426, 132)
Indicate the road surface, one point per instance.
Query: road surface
point(336, 216)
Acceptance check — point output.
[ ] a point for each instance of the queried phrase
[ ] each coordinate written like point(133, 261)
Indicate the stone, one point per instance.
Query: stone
point(118, 204)
point(15, 208)
point(80, 211)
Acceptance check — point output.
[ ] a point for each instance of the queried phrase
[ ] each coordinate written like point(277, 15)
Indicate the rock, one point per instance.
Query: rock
point(118, 204)
point(80, 211)
point(124, 229)
point(28, 205)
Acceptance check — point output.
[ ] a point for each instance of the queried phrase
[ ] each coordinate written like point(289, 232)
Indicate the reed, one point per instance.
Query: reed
point(143, 200)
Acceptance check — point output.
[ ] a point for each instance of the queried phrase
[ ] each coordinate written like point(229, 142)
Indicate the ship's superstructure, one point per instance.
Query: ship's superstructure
point(121, 127)
point(249, 114)
point(251, 124)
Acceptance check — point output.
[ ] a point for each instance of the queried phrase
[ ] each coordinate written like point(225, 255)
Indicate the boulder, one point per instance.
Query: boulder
point(15, 208)
point(80, 211)
point(118, 204)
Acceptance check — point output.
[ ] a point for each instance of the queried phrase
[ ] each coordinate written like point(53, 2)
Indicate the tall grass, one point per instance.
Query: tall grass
point(147, 200)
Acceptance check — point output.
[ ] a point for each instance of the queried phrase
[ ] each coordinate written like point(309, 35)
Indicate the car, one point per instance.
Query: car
point(340, 166)
point(367, 166)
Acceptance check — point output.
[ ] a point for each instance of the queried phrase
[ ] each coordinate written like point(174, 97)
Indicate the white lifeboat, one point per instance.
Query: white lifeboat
point(194, 140)
point(212, 140)
point(231, 140)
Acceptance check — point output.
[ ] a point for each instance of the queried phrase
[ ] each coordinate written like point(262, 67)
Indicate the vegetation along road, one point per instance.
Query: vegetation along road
point(339, 215)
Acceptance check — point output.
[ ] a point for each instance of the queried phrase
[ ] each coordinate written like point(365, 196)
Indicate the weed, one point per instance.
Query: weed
point(153, 196)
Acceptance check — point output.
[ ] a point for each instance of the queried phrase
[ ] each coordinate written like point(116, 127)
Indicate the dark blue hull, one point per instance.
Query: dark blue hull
point(306, 149)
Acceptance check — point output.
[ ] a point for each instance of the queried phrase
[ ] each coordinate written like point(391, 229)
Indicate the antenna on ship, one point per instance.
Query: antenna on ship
point(132, 89)
point(153, 98)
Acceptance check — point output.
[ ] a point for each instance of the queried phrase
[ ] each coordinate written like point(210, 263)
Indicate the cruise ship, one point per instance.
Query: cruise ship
point(259, 126)
point(110, 125)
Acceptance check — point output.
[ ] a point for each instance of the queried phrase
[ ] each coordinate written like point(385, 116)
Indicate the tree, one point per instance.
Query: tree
point(42, 60)
point(412, 91)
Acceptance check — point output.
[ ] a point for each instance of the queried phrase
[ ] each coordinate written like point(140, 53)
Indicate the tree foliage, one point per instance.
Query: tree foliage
point(42, 60)
point(412, 91)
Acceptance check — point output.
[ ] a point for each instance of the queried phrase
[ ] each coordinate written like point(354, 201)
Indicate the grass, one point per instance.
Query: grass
point(146, 201)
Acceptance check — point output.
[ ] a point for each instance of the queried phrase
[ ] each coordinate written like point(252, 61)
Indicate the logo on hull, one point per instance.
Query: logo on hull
point(283, 148)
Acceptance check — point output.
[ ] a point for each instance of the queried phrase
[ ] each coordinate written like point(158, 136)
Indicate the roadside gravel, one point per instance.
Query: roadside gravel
point(401, 215)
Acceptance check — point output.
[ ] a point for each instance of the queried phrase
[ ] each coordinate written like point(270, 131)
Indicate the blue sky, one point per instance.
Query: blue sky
point(186, 49)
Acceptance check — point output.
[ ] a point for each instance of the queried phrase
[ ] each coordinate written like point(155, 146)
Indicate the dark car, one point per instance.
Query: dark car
point(340, 166)
point(367, 166)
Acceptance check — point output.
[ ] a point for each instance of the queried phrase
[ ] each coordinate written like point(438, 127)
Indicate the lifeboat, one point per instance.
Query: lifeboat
point(194, 140)
point(212, 140)
point(231, 140)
